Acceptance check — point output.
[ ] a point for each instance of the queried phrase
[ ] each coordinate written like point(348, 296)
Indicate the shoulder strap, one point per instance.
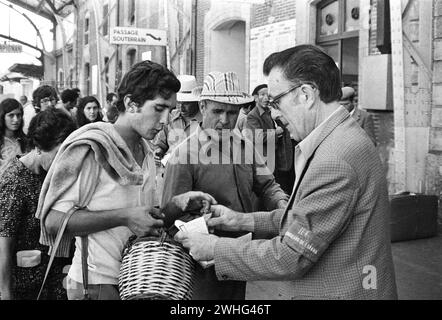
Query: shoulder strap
point(87, 187)
point(84, 268)
point(56, 244)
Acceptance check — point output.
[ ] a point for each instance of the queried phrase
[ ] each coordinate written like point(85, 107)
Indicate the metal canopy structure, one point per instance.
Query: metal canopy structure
point(47, 8)
point(28, 70)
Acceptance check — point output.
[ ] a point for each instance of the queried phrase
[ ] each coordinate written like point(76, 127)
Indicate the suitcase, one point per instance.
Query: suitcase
point(413, 216)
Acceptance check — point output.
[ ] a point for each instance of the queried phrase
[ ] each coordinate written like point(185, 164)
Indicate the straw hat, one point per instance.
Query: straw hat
point(188, 84)
point(224, 87)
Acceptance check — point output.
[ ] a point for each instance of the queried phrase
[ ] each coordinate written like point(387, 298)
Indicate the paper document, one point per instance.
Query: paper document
point(196, 225)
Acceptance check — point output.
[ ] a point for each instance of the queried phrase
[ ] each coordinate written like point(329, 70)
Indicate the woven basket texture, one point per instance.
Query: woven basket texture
point(154, 271)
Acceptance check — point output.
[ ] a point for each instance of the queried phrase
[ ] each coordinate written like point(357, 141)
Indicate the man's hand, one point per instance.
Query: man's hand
point(201, 246)
point(279, 131)
point(144, 221)
point(194, 200)
point(223, 218)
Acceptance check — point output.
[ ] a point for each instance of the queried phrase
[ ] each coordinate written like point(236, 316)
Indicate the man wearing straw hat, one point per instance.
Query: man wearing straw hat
point(217, 160)
point(332, 241)
point(183, 120)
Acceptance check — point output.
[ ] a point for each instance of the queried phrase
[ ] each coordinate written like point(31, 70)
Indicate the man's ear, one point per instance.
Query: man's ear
point(202, 106)
point(308, 95)
point(127, 101)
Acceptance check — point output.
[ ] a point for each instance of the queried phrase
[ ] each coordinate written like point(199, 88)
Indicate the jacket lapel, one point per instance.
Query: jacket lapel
point(332, 123)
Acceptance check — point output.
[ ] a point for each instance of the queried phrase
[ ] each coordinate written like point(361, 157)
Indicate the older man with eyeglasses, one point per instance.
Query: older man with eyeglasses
point(332, 240)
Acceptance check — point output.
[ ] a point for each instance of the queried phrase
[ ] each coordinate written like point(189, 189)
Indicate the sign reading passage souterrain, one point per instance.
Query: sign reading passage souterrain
point(137, 36)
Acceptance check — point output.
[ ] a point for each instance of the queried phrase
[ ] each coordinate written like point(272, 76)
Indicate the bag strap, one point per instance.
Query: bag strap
point(56, 244)
point(84, 268)
point(88, 183)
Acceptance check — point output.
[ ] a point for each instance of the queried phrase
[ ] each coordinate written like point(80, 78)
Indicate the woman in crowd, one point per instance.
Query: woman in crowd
point(12, 138)
point(88, 111)
point(19, 230)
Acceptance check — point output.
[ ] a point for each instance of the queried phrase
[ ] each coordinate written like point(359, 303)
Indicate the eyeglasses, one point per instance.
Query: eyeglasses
point(48, 99)
point(273, 102)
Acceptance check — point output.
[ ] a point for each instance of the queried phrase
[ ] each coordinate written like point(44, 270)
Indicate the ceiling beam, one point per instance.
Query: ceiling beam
point(34, 9)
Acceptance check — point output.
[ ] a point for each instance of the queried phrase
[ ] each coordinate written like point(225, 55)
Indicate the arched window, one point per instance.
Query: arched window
point(86, 28)
point(61, 84)
point(131, 56)
point(87, 78)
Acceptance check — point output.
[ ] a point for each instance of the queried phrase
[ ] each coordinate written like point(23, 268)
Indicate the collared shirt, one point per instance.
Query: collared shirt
point(305, 148)
point(232, 182)
point(170, 136)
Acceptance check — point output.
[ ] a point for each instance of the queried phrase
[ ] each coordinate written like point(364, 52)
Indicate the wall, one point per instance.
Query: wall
point(434, 157)
point(202, 7)
point(272, 12)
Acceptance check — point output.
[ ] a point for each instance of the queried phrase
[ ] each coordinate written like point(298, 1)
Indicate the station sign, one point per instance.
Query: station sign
point(138, 36)
point(10, 48)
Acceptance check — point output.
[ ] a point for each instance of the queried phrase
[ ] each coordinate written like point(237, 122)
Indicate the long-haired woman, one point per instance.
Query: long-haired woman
point(89, 110)
point(12, 138)
point(20, 188)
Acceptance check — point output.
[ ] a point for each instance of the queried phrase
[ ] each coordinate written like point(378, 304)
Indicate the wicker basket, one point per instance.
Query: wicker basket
point(152, 270)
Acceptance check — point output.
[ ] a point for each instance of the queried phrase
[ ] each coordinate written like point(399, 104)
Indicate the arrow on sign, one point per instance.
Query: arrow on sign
point(153, 37)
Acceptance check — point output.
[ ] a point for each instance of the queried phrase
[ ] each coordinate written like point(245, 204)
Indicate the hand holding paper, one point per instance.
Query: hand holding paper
point(194, 235)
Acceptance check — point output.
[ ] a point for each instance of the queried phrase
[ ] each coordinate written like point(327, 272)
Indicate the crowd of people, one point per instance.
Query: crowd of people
point(294, 163)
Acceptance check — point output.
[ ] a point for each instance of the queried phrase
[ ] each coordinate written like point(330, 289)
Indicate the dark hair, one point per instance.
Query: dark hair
point(7, 106)
point(24, 98)
point(50, 128)
point(112, 114)
point(256, 90)
point(110, 96)
point(308, 64)
point(69, 95)
point(41, 93)
point(145, 81)
point(81, 118)
point(77, 90)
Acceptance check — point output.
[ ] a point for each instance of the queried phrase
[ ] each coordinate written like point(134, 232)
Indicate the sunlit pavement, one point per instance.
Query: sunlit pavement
point(418, 267)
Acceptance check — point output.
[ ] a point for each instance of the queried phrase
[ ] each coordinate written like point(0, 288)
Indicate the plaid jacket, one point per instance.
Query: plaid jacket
point(333, 241)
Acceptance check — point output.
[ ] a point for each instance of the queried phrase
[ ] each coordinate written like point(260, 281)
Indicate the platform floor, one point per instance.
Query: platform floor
point(418, 267)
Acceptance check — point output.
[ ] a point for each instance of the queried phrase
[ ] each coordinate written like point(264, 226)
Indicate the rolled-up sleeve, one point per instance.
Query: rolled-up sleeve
point(317, 219)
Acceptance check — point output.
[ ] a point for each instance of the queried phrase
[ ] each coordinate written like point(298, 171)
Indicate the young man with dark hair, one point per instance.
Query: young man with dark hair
point(69, 102)
point(44, 97)
point(332, 240)
point(108, 171)
point(110, 111)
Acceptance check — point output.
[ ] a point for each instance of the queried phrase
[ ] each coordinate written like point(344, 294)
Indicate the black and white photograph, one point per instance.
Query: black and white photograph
point(220, 155)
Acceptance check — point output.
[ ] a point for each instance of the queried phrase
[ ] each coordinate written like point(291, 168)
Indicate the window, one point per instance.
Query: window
point(61, 84)
point(106, 71)
point(87, 78)
point(131, 54)
point(86, 31)
point(131, 12)
point(105, 26)
point(338, 34)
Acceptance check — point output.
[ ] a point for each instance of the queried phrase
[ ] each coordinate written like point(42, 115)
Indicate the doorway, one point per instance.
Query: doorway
point(228, 49)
